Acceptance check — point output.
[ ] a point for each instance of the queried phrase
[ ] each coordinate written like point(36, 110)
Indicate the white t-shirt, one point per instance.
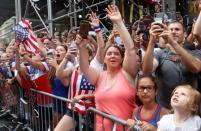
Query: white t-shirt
point(166, 123)
point(96, 64)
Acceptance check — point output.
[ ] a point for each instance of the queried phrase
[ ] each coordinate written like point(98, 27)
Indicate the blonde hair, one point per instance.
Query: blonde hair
point(195, 98)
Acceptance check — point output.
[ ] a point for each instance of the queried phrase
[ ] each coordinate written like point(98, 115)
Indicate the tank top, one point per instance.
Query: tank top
point(118, 100)
point(153, 119)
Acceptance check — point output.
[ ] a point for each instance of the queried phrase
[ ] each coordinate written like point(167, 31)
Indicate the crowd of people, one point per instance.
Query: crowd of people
point(150, 76)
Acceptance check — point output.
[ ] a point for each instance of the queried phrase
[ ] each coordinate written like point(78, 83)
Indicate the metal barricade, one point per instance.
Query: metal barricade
point(44, 110)
point(115, 120)
point(41, 111)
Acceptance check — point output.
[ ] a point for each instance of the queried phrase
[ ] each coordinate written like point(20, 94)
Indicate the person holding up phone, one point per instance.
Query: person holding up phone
point(114, 92)
point(173, 65)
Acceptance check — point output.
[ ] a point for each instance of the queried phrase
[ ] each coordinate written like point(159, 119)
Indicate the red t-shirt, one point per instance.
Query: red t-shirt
point(40, 80)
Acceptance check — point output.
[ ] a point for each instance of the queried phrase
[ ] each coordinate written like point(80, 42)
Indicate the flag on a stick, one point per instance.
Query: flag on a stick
point(24, 35)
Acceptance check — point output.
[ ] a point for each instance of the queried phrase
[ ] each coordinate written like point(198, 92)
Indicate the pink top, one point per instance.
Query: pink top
point(118, 100)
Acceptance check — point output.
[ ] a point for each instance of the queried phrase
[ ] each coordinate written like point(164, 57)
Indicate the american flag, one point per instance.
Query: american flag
point(24, 34)
point(79, 85)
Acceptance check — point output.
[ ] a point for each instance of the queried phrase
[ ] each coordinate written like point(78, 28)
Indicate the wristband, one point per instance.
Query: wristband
point(97, 29)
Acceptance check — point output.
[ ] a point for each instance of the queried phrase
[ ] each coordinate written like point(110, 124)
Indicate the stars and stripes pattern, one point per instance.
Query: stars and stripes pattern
point(79, 85)
point(24, 35)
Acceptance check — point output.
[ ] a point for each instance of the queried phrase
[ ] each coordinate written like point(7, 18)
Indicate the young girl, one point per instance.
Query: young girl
point(185, 103)
point(149, 113)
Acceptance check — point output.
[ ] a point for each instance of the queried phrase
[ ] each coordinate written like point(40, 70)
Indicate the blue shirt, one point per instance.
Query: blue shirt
point(59, 89)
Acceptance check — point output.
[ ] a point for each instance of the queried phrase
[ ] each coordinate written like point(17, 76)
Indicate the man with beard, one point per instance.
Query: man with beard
point(173, 65)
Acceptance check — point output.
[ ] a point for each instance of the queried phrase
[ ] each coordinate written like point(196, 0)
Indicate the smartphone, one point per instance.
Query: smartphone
point(84, 28)
point(158, 23)
point(50, 54)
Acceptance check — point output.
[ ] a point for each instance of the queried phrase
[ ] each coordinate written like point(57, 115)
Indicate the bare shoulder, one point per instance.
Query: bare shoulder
point(128, 77)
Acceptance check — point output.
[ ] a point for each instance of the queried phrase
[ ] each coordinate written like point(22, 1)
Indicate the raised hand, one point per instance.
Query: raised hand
point(155, 31)
point(80, 42)
point(167, 35)
point(52, 62)
point(94, 20)
point(113, 13)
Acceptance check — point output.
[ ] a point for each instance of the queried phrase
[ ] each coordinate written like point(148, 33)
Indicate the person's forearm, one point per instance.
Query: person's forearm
point(61, 67)
point(125, 36)
point(197, 26)
point(17, 60)
point(35, 64)
point(29, 60)
point(84, 60)
point(88, 96)
point(188, 60)
point(42, 48)
point(93, 42)
point(190, 38)
point(101, 46)
point(147, 65)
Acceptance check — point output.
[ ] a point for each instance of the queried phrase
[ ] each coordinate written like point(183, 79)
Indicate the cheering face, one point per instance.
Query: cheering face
point(60, 53)
point(146, 90)
point(113, 58)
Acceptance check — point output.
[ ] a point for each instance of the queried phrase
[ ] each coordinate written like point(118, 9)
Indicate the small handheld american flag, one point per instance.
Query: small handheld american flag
point(24, 35)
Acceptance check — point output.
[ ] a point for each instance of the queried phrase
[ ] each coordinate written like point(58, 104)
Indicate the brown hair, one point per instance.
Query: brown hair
point(52, 71)
point(184, 28)
point(152, 78)
point(115, 46)
point(195, 98)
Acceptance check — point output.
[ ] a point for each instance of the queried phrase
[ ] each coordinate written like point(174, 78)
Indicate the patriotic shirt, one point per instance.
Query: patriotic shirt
point(40, 80)
point(79, 85)
point(25, 35)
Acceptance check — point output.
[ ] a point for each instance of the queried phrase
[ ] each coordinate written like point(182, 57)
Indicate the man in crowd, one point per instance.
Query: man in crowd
point(173, 65)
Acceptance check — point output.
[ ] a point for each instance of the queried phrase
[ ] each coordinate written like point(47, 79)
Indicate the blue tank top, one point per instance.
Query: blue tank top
point(153, 119)
point(59, 89)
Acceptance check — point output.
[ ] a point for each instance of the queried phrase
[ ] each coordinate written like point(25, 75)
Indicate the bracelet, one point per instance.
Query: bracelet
point(97, 29)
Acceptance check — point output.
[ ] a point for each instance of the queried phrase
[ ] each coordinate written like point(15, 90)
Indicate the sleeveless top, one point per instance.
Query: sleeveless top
point(59, 89)
point(153, 119)
point(117, 99)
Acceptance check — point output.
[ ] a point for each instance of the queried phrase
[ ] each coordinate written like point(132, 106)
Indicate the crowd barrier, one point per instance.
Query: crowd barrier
point(42, 111)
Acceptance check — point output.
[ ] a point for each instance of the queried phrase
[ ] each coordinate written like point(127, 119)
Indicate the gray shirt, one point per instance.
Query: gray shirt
point(171, 72)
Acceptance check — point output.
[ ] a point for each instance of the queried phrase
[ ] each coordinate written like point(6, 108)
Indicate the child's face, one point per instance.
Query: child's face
point(146, 90)
point(180, 98)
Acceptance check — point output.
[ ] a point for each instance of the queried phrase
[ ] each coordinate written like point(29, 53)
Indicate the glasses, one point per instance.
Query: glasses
point(148, 88)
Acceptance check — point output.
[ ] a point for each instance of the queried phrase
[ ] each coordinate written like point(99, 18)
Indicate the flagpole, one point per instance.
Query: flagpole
point(39, 16)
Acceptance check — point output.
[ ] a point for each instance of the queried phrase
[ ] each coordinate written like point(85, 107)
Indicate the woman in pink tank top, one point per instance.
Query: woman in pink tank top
point(115, 93)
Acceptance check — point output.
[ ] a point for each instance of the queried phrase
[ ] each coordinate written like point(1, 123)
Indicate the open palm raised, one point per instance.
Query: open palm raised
point(113, 13)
